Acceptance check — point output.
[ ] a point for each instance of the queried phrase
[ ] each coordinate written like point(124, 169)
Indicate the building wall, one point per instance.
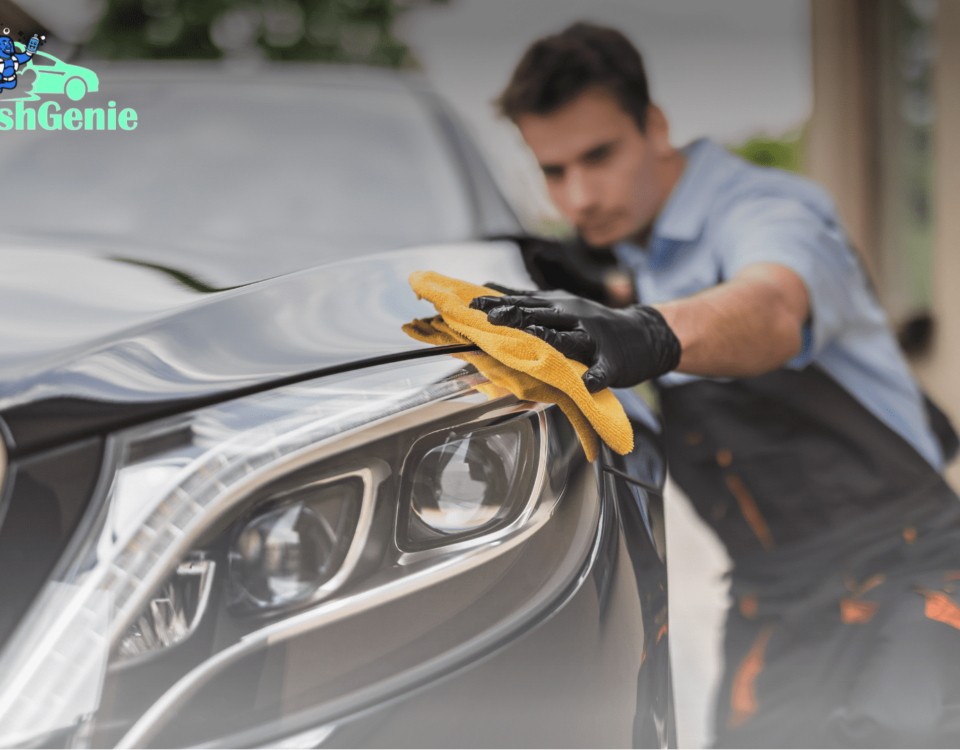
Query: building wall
point(841, 136)
point(939, 369)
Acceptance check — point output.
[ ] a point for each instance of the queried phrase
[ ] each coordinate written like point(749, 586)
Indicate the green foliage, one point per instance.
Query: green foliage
point(554, 226)
point(346, 31)
point(785, 152)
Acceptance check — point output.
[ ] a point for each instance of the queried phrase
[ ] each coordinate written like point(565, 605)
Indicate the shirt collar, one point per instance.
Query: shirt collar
point(682, 219)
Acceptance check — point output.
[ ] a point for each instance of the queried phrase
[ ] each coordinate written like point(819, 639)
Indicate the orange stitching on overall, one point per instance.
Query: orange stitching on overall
point(751, 512)
point(662, 632)
point(871, 583)
point(853, 611)
point(941, 608)
point(743, 696)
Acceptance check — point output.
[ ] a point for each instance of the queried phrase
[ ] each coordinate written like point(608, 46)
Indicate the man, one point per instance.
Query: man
point(790, 417)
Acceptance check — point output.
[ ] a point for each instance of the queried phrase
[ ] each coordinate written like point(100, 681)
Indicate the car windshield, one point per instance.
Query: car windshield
point(279, 176)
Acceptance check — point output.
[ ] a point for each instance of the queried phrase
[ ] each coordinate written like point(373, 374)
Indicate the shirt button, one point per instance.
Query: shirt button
point(724, 458)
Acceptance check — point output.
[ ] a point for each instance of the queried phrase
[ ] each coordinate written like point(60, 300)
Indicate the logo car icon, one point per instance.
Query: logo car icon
point(54, 76)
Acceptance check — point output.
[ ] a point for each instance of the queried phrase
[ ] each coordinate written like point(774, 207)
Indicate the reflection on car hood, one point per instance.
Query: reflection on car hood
point(88, 342)
point(206, 269)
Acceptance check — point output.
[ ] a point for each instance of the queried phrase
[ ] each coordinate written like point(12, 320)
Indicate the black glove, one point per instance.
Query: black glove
point(620, 347)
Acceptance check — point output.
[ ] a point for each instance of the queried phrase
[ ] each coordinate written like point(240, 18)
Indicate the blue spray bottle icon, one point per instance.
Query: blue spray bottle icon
point(33, 44)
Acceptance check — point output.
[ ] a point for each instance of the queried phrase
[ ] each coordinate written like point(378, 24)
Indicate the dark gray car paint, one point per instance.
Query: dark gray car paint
point(217, 346)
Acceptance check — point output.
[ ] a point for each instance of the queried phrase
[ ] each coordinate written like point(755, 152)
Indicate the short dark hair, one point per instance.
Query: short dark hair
point(558, 68)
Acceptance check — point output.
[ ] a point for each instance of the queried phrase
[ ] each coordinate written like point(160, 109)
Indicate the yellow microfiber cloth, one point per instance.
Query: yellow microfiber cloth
point(519, 362)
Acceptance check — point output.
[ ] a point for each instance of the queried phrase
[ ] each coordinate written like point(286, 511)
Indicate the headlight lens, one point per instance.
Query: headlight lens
point(466, 481)
point(218, 525)
point(283, 556)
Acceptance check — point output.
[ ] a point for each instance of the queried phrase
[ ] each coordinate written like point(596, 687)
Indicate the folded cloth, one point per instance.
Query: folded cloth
point(519, 362)
point(505, 380)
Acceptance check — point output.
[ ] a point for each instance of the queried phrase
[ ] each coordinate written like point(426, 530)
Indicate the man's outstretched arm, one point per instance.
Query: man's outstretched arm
point(744, 327)
point(740, 328)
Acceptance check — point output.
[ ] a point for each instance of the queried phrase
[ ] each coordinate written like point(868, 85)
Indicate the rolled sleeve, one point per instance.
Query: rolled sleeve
point(792, 234)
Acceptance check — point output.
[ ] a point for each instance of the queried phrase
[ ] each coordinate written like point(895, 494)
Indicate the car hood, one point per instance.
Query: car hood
point(89, 344)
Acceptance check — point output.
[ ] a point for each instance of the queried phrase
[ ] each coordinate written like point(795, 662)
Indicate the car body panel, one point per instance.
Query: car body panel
point(191, 347)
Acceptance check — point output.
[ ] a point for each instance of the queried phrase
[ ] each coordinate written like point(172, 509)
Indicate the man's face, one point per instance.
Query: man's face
point(6, 45)
point(602, 172)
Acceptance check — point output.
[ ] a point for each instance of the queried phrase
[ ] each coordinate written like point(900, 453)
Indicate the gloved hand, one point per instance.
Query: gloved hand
point(620, 347)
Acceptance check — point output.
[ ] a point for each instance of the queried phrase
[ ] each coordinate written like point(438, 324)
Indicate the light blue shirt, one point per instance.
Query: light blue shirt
point(726, 213)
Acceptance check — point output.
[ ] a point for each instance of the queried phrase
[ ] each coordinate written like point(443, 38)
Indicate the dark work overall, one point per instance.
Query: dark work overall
point(844, 628)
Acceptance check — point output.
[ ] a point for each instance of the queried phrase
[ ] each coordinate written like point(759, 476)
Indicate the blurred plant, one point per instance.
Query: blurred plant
point(553, 226)
point(348, 31)
point(785, 152)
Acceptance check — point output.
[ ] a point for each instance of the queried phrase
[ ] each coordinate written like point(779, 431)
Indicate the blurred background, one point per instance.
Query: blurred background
point(860, 95)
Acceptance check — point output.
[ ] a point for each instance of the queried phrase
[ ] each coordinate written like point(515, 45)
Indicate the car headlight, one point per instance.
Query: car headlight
point(222, 537)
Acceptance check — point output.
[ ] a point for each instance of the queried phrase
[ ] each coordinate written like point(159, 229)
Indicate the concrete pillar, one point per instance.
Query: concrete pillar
point(939, 370)
point(841, 141)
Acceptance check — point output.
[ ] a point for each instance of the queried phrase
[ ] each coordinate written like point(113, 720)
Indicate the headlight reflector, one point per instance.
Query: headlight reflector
point(467, 480)
point(172, 616)
point(284, 555)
